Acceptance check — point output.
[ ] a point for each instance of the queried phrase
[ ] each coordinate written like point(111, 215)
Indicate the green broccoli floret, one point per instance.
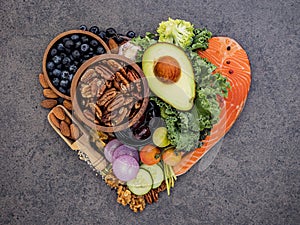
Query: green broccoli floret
point(178, 32)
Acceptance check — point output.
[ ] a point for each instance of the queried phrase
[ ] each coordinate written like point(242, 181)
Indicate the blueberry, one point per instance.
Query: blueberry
point(50, 66)
point(61, 47)
point(65, 75)
point(87, 56)
point(78, 44)
point(100, 50)
point(94, 43)
point(65, 39)
point(71, 77)
point(64, 83)
point(94, 29)
point(66, 61)
point(91, 54)
point(91, 50)
point(56, 82)
point(102, 34)
point(60, 100)
point(71, 57)
point(84, 47)
point(118, 38)
point(76, 54)
point(59, 66)
point(110, 32)
point(62, 55)
point(67, 50)
point(56, 59)
point(73, 68)
point(84, 39)
point(69, 44)
point(83, 27)
point(53, 52)
point(56, 72)
point(62, 90)
point(75, 37)
point(130, 34)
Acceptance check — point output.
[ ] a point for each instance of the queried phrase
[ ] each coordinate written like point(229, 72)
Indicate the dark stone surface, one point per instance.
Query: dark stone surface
point(255, 177)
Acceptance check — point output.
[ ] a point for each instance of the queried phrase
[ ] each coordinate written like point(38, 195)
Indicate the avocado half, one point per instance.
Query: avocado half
point(170, 75)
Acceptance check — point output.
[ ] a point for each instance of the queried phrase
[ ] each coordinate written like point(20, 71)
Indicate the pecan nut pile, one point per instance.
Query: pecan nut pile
point(111, 92)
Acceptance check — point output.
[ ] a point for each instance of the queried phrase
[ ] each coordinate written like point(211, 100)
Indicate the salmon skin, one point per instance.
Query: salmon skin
point(231, 61)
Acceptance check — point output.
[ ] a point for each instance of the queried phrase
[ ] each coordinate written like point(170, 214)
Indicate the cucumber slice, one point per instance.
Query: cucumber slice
point(156, 172)
point(142, 184)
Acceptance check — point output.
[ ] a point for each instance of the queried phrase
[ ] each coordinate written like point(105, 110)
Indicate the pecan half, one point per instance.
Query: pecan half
point(98, 112)
point(85, 90)
point(95, 84)
point(120, 116)
point(132, 76)
point(122, 79)
point(106, 119)
point(116, 85)
point(88, 75)
point(114, 64)
point(101, 90)
point(116, 103)
point(107, 96)
point(104, 72)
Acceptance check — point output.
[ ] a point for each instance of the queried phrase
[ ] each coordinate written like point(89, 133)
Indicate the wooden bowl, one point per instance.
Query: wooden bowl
point(53, 42)
point(76, 95)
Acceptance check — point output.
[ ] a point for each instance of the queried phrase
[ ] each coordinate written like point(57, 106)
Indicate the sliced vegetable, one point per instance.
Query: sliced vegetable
point(142, 184)
point(125, 167)
point(156, 173)
point(125, 150)
point(150, 154)
point(160, 137)
point(110, 148)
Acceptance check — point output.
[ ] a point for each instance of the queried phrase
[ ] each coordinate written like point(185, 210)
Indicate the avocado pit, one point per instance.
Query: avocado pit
point(167, 69)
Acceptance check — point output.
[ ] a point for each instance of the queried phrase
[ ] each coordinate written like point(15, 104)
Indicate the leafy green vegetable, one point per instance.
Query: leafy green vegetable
point(200, 40)
point(144, 43)
point(178, 32)
point(183, 130)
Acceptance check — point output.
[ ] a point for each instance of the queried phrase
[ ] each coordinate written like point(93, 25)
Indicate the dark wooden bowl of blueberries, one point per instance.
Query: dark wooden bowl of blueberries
point(65, 54)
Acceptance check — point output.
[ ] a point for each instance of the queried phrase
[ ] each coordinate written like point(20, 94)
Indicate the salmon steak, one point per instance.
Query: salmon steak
point(232, 62)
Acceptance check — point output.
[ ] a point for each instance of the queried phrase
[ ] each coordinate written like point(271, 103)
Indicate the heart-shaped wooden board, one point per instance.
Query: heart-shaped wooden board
point(231, 61)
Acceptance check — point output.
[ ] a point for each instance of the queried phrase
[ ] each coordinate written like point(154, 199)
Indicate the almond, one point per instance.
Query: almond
point(64, 129)
point(54, 120)
point(43, 81)
point(113, 46)
point(68, 105)
point(49, 103)
point(48, 93)
point(68, 120)
point(59, 113)
point(75, 133)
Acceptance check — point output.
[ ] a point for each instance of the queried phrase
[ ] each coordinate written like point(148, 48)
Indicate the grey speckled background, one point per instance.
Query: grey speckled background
point(255, 177)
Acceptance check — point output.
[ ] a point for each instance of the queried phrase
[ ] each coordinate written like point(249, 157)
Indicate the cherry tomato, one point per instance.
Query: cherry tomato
point(150, 154)
point(171, 157)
